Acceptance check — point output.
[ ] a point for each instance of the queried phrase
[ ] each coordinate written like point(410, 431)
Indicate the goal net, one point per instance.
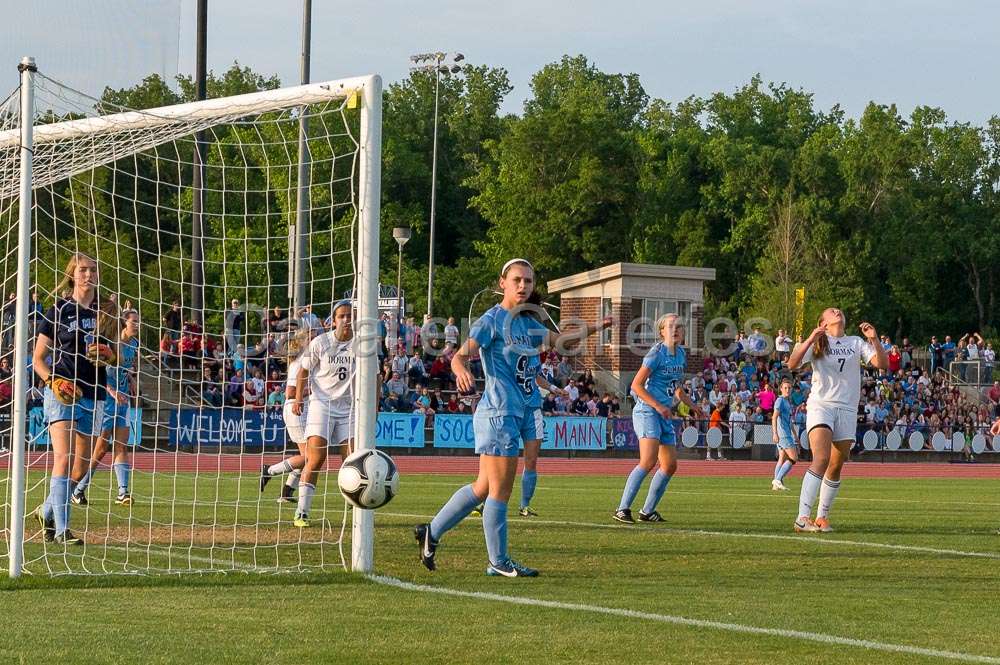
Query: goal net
point(221, 279)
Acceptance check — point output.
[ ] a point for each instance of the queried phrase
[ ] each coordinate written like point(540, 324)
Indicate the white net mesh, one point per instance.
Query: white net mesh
point(204, 411)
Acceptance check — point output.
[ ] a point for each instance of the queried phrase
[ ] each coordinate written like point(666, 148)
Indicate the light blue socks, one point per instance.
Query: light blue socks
point(457, 509)
point(657, 487)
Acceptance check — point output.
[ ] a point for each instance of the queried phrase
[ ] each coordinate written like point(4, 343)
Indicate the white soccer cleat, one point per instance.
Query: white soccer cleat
point(804, 524)
point(778, 486)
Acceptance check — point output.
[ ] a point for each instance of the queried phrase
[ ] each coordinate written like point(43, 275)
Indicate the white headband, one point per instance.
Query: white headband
point(503, 271)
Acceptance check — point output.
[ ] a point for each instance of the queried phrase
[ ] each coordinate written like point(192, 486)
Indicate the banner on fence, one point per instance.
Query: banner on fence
point(400, 430)
point(235, 427)
point(623, 435)
point(561, 432)
point(38, 433)
point(227, 427)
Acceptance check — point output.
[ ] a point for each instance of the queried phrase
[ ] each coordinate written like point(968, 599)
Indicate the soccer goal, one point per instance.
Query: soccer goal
point(286, 216)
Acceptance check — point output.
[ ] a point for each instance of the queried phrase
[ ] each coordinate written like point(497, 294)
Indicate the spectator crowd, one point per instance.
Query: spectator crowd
point(735, 389)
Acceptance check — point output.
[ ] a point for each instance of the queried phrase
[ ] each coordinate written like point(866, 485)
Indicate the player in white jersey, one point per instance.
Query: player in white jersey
point(295, 425)
point(328, 367)
point(832, 407)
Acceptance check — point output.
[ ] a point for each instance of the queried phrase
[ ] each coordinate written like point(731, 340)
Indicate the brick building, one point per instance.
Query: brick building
point(636, 295)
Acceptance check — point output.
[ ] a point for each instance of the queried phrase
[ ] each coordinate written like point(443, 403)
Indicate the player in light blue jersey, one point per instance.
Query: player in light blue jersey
point(657, 386)
point(782, 435)
point(121, 390)
point(507, 341)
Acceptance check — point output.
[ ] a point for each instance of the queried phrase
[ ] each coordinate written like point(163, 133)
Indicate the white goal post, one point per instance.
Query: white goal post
point(34, 155)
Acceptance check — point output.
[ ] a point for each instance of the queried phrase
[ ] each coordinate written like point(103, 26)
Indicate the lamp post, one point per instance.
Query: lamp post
point(401, 235)
point(440, 63)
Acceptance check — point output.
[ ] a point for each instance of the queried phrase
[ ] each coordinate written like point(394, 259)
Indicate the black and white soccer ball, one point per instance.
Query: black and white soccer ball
point(368, 479)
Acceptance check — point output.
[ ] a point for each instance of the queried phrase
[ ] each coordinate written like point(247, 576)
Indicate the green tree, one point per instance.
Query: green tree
point(559, 185)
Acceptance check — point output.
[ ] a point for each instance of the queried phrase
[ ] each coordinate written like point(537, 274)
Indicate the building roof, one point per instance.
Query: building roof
point(622, 270)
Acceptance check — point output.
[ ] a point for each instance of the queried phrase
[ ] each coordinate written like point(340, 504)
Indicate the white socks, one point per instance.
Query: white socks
point(827, 493)
point(306, 491)
point(281, 467)
point(807, 496)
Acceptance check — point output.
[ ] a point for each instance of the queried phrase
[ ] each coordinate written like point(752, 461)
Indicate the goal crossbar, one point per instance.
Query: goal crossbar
point(211, 111)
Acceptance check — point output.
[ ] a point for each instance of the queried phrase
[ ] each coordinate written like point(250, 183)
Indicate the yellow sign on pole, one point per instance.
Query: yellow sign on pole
point(800, 311)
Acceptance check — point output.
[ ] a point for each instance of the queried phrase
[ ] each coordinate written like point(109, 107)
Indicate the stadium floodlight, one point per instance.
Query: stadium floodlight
point(111, 183)
point(439, 62)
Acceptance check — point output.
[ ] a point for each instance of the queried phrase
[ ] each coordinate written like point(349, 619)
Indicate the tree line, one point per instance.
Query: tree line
point(892, 218)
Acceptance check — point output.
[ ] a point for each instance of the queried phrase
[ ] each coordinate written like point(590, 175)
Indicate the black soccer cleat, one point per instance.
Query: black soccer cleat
point(79, 499)
point(68, 539)
point(265, 477)
point(47, 524)
point(624, 515)
point(652, 517)
point(287, 494)
point(428, 546)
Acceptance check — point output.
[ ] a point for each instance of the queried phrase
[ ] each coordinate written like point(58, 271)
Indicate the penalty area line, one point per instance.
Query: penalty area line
point(693, 623)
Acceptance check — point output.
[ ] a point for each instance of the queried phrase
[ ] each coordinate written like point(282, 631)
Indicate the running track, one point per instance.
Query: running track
point(170, 462)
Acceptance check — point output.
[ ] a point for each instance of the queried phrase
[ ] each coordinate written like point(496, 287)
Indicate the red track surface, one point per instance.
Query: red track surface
point(169, 462)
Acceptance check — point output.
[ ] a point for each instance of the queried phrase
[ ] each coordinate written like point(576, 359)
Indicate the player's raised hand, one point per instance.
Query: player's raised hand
point(868, 330)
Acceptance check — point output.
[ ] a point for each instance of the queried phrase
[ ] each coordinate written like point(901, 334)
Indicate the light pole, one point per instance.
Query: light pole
point(440, 63)
point(401, 234)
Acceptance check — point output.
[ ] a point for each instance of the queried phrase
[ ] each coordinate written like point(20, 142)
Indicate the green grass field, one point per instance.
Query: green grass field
point(725, 554)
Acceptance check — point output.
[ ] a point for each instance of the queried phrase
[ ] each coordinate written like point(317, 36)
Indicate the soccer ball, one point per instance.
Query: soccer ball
point(368, 479)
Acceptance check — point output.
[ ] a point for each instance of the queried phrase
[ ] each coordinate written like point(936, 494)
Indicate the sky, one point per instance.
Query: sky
point(848, 52)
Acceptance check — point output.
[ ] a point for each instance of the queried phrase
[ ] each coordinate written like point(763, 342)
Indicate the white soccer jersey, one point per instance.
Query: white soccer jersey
point(293, 373)
point(836, 377)
point(331, 369)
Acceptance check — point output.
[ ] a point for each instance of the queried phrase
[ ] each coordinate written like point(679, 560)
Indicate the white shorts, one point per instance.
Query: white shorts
point(333, 425)
point(842, 421)
point(295, 425)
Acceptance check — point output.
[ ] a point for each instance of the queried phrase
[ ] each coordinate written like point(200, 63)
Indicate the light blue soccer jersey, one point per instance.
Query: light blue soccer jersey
point(783, 408)
point(666, 371)
point(509, 351)
point(119, 377)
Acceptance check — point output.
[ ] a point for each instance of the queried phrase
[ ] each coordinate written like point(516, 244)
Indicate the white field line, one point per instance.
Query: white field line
point(762, 494)
point(693, 623)
point(818, 539)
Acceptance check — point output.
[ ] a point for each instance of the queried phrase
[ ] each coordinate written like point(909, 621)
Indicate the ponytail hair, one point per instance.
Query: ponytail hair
point(109, 320)
point(822, 345)
point(536, 300)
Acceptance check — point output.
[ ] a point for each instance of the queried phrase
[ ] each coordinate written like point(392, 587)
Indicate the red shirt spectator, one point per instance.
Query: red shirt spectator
point(166, 344)
point(190, 344)
point(895, 360)
point(994, 393)
point(440, 369)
